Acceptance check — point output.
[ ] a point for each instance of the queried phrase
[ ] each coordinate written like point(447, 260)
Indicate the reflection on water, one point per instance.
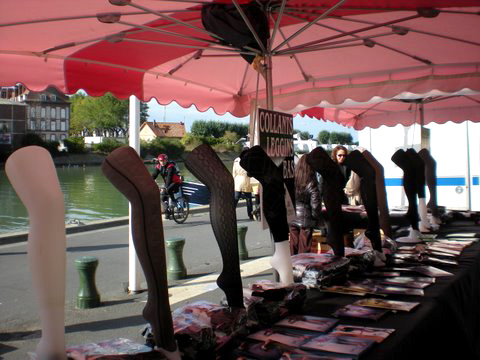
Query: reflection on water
point(88, 196)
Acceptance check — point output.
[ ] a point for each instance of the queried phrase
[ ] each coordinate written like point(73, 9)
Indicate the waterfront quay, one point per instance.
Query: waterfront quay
point(121, 313)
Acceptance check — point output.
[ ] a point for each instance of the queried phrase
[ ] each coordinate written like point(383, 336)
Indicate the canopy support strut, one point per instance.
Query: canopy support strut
point(269, 81)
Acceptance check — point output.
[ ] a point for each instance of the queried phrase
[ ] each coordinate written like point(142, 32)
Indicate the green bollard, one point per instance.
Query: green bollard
point(87, 295)
point(242, 248)
point(176, 269)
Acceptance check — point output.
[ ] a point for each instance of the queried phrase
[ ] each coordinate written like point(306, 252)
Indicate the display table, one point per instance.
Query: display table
point(446, 324)
point(355, 217)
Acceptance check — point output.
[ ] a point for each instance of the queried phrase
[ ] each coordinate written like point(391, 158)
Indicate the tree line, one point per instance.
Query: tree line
point(108, 116)
point(343, 138)
point(103, 115)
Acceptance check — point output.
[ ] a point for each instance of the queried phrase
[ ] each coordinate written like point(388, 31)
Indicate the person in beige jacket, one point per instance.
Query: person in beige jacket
point(352, 189)
point(243, 188)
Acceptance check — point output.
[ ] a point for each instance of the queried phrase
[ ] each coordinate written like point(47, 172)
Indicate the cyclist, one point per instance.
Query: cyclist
point(171, 177)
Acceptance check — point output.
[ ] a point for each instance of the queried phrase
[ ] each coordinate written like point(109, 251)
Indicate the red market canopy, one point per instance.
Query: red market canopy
point(321, 51)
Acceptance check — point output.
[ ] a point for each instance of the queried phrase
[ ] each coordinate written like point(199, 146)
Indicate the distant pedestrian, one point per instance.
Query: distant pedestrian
point(339, 154)
point(351, 181)
point(243, 188)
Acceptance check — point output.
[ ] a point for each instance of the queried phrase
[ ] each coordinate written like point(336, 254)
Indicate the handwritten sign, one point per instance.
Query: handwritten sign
point(276, 138)
point(276, 133)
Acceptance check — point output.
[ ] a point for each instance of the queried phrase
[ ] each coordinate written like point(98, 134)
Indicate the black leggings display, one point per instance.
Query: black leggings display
point(333, 195)
point(403, 161)
point(431, 179)
point(381, 193)
point(419, 171)
point(206, 166)
point(356, 161)
point(259, 165)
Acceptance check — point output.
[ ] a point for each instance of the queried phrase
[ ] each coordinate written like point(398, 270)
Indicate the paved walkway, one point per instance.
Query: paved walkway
point(120, 313)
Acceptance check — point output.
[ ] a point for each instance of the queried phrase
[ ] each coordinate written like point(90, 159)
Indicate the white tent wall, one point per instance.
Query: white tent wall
point(456, 149)
point(474, 154)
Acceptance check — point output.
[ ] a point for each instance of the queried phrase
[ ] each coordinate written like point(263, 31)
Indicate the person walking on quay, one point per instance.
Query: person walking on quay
point(307, 208)
point(171, 177)
point(256, 194)
point(243, 188)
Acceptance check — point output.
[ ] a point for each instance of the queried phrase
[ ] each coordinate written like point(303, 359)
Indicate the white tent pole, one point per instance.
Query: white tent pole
point(134, 142)
point(269, 88)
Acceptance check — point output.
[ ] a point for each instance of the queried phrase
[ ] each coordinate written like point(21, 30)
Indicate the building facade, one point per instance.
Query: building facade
point(151, 130)
point(13, 117)
point(47, 112)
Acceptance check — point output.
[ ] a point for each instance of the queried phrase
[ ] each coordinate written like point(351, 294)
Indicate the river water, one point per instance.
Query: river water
point(88, 196)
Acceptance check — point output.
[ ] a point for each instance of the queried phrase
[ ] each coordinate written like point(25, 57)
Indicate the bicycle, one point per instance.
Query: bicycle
point(180, 208)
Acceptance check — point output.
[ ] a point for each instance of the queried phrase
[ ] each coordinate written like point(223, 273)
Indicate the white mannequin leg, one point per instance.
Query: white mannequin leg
point(412, 238)
point(282, 262)
point(34, 178)
point(415, 234)
point(424, 224)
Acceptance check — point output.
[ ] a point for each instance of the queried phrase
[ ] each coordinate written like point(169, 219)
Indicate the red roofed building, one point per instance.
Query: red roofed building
point(151, 130)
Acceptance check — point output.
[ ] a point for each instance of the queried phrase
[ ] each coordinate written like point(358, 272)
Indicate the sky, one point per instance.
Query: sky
point(175, 113)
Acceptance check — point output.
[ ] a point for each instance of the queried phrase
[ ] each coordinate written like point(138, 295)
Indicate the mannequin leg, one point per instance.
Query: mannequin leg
point(431, 179)
point(259, 165)
point(419, 171)
point(425, 225)
point(401, 159)
point(381, 193)
point(365, 171)
point(125, 170)
point(204, 163)
point(420, 183)
point(333, 195)
point(32, 174)
point(281, 261)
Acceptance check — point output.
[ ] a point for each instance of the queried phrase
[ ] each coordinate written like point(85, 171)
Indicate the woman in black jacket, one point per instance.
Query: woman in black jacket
point(307, 208)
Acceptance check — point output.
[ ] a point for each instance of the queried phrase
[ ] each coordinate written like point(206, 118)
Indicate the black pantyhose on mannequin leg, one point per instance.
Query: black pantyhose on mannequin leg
point(333, 194)
point(205, 165)
point(357, 162)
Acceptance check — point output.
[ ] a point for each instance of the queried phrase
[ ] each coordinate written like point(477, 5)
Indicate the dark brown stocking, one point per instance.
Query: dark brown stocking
point(126, 171)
